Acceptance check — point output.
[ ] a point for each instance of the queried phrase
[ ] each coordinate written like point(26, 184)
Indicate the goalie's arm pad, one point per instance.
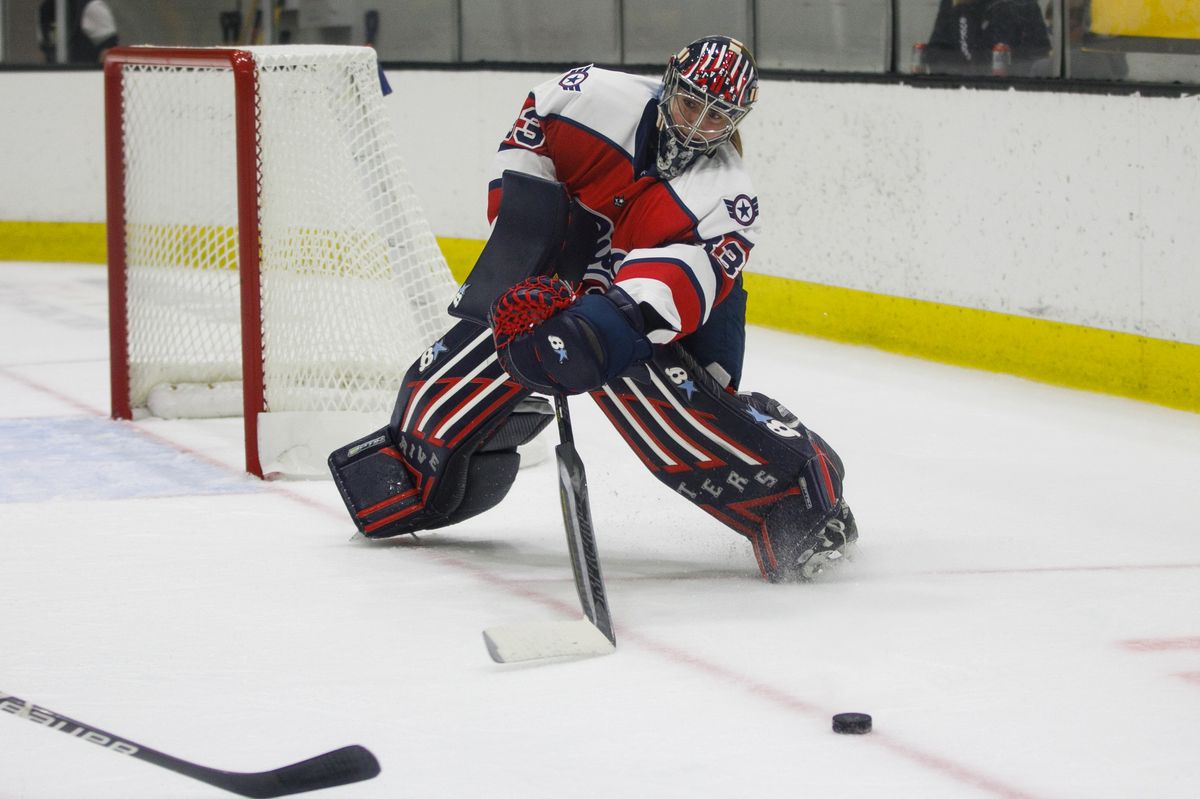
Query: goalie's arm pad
point(679, 285)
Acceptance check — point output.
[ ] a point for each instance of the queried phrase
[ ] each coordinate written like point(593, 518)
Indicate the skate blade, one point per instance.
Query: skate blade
point(820, 563)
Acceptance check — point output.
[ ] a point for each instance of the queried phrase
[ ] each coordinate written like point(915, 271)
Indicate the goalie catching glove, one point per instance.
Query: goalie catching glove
point(550, 340)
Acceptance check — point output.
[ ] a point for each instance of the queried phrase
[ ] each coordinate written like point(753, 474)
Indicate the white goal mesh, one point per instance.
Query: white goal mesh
point(352, 284)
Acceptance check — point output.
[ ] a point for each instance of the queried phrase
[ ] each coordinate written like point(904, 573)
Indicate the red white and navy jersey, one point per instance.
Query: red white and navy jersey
point(677, 245)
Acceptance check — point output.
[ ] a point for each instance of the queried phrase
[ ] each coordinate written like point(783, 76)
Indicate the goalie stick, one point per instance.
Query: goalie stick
point(536, 233)
point(339, 767)
point(592, 634)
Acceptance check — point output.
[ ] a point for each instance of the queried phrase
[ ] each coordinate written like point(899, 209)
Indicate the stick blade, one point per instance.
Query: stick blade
point(340, 767)
point(514, 643)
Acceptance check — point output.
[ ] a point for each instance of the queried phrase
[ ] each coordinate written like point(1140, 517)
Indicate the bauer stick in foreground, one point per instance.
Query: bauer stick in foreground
point(339, 767)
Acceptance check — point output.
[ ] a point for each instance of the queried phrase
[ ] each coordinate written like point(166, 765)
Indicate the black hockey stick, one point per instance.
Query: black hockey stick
point(593, 634)
point(577, 519)
point(339, 767)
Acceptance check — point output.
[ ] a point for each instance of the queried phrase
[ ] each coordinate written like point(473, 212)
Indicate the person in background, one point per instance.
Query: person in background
point(988, 37)
point(91, 30)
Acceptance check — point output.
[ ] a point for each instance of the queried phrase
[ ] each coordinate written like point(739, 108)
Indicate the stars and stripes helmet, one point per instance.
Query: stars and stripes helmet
point(708, 89)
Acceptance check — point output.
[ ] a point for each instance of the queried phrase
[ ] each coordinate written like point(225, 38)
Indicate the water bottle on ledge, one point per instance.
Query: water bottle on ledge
point(1001, 59)
point(918, 64)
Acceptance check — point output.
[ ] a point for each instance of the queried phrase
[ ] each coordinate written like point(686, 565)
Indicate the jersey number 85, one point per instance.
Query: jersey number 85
point(527, 130)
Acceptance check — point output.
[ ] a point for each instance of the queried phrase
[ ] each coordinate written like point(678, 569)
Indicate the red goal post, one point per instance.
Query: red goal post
point(262, 231)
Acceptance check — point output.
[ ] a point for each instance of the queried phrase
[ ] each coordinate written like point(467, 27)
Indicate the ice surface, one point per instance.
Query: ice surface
point(1022, 618)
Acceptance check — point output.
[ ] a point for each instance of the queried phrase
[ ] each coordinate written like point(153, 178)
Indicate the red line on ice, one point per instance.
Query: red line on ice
point(58, 395)
point(1162, 644)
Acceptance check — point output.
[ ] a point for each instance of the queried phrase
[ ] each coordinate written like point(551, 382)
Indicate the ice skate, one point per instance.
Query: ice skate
point(802, 556)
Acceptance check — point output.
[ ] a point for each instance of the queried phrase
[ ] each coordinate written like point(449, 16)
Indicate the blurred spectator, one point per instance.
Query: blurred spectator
point(965, 33)
point(1088, 57)
point(91, 30)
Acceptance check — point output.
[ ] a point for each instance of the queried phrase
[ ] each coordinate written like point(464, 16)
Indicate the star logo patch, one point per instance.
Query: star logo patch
point(573, 80)
point(743, 209)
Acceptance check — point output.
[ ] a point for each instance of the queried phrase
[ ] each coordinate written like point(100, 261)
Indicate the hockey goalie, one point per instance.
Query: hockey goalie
point(622, 220)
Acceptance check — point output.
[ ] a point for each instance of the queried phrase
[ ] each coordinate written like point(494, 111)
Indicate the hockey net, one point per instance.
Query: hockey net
point(267, 254)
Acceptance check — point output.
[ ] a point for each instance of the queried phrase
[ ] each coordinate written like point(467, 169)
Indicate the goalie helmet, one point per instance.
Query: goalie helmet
point(708, 89)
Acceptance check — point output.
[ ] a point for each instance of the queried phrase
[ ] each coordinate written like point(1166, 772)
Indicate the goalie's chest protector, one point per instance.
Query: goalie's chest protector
point(593, 130)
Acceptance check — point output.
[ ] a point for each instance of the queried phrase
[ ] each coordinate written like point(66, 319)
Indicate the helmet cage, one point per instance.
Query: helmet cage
point(697, 119)
point(696, 116)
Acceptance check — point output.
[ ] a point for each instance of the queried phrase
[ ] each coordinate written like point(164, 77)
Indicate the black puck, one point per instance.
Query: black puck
point(852, 723)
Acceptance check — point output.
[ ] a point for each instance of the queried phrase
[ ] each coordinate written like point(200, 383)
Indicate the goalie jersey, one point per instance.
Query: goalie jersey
point(676, 246)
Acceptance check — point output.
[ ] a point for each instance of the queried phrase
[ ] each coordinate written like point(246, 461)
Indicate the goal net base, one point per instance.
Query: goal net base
point(292, 444)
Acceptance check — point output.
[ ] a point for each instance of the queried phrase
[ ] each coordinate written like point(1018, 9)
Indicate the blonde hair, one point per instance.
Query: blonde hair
point(736, 141)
